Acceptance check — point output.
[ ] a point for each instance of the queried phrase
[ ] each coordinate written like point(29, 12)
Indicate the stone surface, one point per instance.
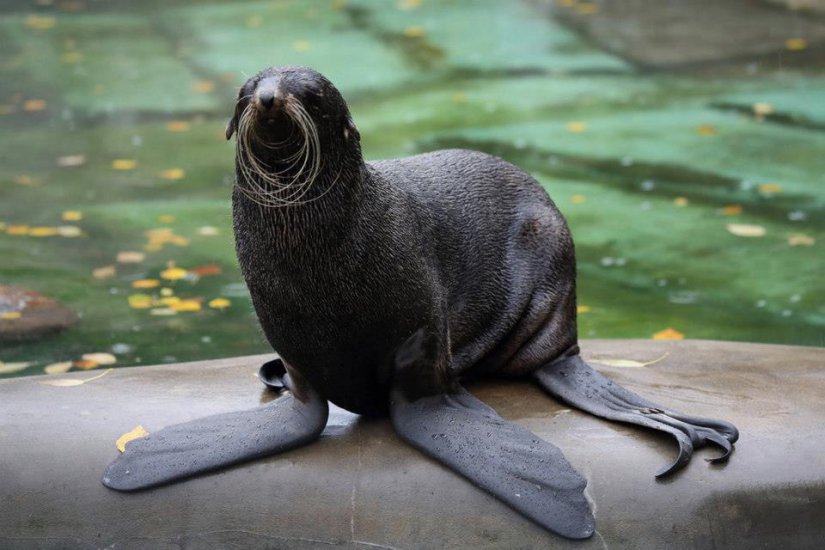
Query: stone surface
point(27, 315)
point(361, 487)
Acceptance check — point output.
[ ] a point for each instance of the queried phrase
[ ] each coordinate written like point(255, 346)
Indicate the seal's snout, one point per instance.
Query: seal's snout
point(268, 98)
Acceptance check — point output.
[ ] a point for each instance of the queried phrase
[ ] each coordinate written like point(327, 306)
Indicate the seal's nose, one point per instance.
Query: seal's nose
point(268, 98)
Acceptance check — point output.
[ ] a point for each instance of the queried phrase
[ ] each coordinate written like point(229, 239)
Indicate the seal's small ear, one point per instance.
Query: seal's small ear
point(232, 125)
point(351, 130)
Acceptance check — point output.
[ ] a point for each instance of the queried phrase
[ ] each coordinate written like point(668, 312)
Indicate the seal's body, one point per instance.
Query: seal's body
point(382, 286)
point(452, 237)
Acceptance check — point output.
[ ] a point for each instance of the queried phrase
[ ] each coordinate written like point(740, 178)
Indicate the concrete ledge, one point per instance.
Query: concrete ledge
point(361, 487)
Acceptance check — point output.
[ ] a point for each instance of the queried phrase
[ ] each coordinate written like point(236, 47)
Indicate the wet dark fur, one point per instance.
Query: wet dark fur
point(451, 237)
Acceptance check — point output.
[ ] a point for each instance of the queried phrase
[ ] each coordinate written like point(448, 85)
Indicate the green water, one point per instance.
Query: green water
point(642, 157)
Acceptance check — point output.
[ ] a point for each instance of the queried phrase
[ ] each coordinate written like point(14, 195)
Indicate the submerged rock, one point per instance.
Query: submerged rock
point(26, 315)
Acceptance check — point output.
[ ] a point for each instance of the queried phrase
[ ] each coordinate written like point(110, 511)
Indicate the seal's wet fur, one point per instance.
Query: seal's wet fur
point(382, 286)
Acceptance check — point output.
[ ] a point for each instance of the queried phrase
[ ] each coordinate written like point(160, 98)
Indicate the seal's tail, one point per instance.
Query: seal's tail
point(578, 384)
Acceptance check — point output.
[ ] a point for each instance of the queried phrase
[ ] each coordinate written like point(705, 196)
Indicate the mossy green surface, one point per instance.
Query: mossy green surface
point(645, 165)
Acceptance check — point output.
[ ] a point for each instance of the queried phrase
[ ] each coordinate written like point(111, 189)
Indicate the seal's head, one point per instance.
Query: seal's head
point(293, 128)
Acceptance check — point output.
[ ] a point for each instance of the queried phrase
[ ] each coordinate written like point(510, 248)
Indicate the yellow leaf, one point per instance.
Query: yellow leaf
point(145, 283)
point(204, 86)
point(732, 210)
point(101, 358)
point(124, 164)
point(130, 257)
point(186, 305)
point(207, 231)
point(85, 364)
point(578, 199)
point(706, 130)
point(800, 239)
point(576, 127)
point(58, 368)
point(630, 363)
point(169, 300)
point(681, 201)
point(219, 303)
point(587, 8)
point(135, 433)
point(769, 188)
point(173, 274)
point(39, 23)
point(17, 230)
point(10, 368)
point(177, 126)
point(43, 231)
point(746, 230)
point(166, 218)
point(72, 216)
point(668, 334)
point(105, 272)
point(68, 382)
point(583, 309)
point(166, 292)
point(173, 174)
point(32, 105)
point(10, 315)
point(796, 44)
point(140, 301)
point(414, 31)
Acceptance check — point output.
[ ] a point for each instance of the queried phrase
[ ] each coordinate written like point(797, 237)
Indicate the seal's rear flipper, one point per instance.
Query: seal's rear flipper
point(506, 460)
point(578, 384)
point(205, 444)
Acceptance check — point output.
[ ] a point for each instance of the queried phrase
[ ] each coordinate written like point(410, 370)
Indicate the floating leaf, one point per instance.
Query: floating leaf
point(219, 303)
point(69, 231)
point(163, 311)
point(105, 272)
point(578, 199)
point(32, 105)
point(166, 218)
point(576, 127)
point(11, 368)
point(681, 202)
point(10, 315)
point(130, 257)
point(796, 44)
point(39, 23)
point(145, 283)
point(173, 273)
point(207, 231)
point(769, 188)
point(630, 363)
point(732, 210)
point(85, 364)
point(761, 109)
point(583, 309)
point(414, 31)
point(166, 292)
point(58, 368)
point(72, 216)
point(17, 230)
point(69, 161)
point(800, 239)
point(746, 230)
point(68, 382)
point(43, 232)
point(204, 86)
point(173, 174)
point(206, 270)
point(140, 301)
point(177, 126)
point(668, 334)
point(101, 358)
point(135, 433)
point(706, 130)
point(186, 305)
point(124, 164)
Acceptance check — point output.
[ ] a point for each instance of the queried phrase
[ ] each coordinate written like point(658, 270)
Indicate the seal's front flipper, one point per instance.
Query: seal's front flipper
point(206, 444)
point(578, 384)
point(506, 460)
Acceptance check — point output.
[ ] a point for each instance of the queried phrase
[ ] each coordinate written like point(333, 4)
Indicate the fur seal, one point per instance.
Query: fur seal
point(382, 286)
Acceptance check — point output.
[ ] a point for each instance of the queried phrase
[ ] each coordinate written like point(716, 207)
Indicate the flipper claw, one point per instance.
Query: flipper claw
point(578, 384)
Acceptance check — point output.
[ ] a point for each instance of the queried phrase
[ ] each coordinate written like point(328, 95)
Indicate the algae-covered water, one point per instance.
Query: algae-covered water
point(685, 143)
